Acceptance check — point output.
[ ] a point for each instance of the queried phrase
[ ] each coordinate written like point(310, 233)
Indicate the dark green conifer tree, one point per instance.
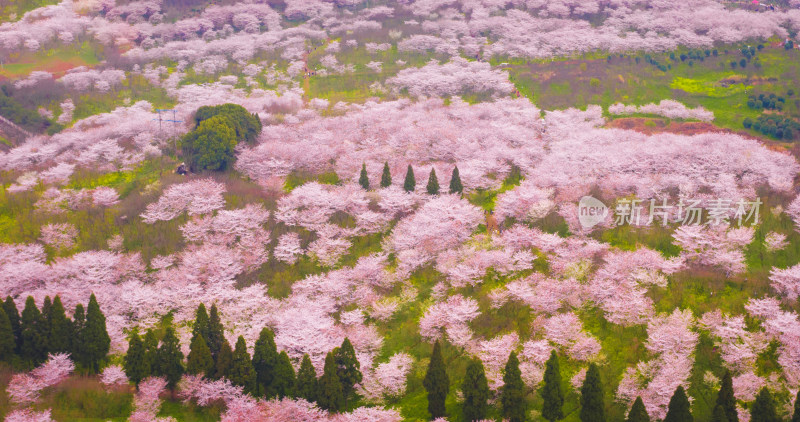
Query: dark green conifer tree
point(216, 333)
point(512, 395)
point(307, 384)
point(242, 372)
point(199, 360)
point(150, 343)
point(410, 183)
point(200, 327)
point(222, 366)
point(136, 365)
point(592, 407)
point(433, 183)
point(284, 379)
point(719, 414)
point(95, 339)
point(363, 179)
point(44, 328)
point(60, 328)
point(78, 325)
point(265, 358)
point(796, 414)
point(386, 176)
point(436, 383)
point(7, 341)
point(33, 343)
point(13, 317)
point(348, 368)
point(553, 397)
point(638, 412)
point(170, 358)
point(455, 182)
point(330, 395)
point(763, 409)
point(475, 389)
point(726, 399)
point(679, 409)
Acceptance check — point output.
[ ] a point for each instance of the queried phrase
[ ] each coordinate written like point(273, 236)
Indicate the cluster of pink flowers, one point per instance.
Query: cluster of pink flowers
point(58, 235)
point(24, 388)
point(457, 77)
point(714, 245)
point(114, 375)
point(667, 108)
point(196, 197)
point(147, 403)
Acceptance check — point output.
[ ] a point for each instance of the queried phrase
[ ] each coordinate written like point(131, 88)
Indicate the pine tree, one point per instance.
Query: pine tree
point(265, 358)
point(386, 176)
point(512, 395)
point(719, 414)
point(78, 326)
point(284, 380)
point(726, 399)
point(13, 317)
point(330, 395)
point(348, 368)
point(150, 343)
point(95, 339)
point(678, 409)
point(475, 389)
point(638, 412)
point(592, 407)
point(170, 358)
point(136, 365)
point(242, 372)
point(216, 333)
point(200, 327)
point(33, 345)
point(796, 415)
point(410, 183)
point(307, 384)
point(455, 182)
point(363, 179)
point(7, 342)
point(44, 327)
point(199, 360)
point(60, 328)
point(433, 183)
point(763, 409)
point(222, 367)
point(436, 383)
point(552, 409)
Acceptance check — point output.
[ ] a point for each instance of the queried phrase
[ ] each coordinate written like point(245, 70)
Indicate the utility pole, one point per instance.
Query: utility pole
point(173, 120)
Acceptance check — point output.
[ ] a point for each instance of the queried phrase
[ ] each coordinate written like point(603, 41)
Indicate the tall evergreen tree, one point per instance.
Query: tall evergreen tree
point(222, 367)
point(136, 364)
point(265, 358)
point(726, 399)
point(512, 395)
point(330, 395)
point(552, 409)
point(10, 307)
point(436, 383)
point(200, 327)
point(455, 182)
point(433, 183)
point(242, 372)
point(95, 339)
point(363, 179)
point(386, 176)
point(60, 328)
point(679, 409)
point(150, 344)
point(475, 389)
point(410, 183)
point(7, 342)
point(284, 380)
point(170, 358)
point(78, 326)
point(216, 333)
point(592, 407)
point(307, 384)
point(348, 368)
point(199, 360)
point(719, 414)
point(796, 414)
point(763, 409)
point(44, 327)
point(638, 412)
point(33, 344)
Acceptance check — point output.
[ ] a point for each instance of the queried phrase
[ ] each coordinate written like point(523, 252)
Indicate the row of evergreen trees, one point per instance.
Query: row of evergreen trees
point(266, 374)
point(410, 182)
point(514, 407)
point(26, 340)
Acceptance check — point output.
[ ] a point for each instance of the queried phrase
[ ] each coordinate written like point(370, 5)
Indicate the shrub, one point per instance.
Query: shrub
point(246, 125)
point(210, 146)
